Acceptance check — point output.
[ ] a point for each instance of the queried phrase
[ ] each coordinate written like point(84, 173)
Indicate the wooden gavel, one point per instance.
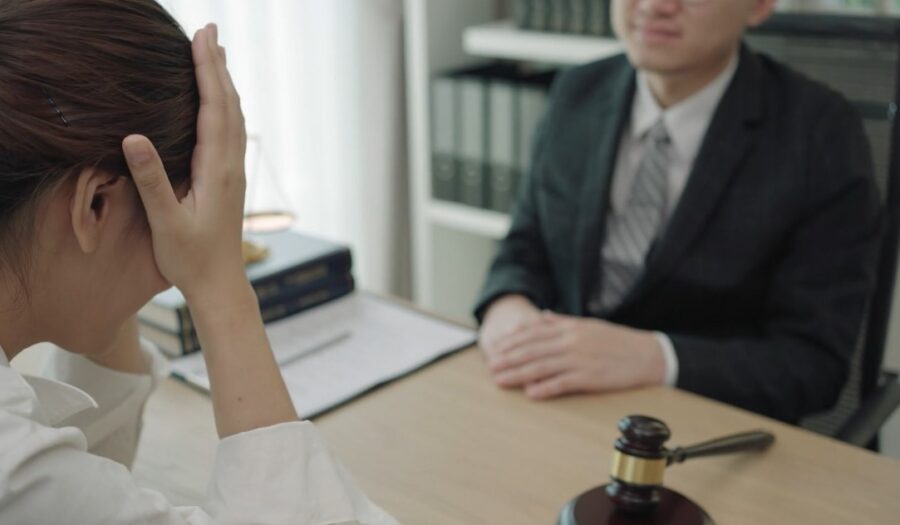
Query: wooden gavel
point(640, 459)
point(636, 494)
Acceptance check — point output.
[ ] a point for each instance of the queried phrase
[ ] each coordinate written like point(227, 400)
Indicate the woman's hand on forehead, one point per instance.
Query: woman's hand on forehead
point(197, 240)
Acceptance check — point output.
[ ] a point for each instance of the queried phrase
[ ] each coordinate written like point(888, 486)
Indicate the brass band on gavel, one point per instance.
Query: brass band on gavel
point(636, 470)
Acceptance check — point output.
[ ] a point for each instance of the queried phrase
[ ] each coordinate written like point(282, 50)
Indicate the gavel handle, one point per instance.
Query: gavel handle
point(757, 439)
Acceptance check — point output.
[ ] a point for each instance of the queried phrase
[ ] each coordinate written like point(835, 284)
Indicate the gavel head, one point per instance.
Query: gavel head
point(638, 464)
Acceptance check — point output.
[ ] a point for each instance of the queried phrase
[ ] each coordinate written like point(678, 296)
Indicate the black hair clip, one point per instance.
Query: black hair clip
point(56, 108)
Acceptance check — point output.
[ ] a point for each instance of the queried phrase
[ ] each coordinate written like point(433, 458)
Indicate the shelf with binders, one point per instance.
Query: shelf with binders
point(483, 118)
point(461, 217)
point(483, 121)
point(505, 40)
point(457, 219)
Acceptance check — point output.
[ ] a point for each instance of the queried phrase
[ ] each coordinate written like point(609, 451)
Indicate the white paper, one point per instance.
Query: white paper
point(338, 350)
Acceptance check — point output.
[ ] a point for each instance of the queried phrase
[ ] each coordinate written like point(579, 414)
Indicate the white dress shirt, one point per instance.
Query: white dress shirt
point(686, 123)
point(278, 474)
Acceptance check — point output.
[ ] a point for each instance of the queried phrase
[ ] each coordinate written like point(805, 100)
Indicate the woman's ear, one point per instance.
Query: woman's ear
point(95, 193)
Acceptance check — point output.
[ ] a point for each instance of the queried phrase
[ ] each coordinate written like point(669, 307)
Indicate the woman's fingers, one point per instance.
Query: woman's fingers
point(208, 220)
point(225, 76)
point(212, 119)
point(151, 180)
point(239, 134)
point(236, 133)
point(221, 138)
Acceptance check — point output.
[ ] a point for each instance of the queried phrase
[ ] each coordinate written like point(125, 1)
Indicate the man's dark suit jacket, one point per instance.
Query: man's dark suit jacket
point(764, 270)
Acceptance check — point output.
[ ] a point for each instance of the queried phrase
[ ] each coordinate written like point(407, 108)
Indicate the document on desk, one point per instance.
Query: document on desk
point(337, 351)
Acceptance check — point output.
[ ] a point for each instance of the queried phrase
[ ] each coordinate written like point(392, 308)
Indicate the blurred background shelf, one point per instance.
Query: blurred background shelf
point(502, 40)
point(476, 221)
point(454, 244)
point(451, 251)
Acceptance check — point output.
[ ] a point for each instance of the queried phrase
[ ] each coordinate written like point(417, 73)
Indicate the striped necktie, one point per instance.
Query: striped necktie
point(631, 231)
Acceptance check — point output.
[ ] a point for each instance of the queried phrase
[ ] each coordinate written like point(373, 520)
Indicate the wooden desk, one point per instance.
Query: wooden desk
point(445, 446)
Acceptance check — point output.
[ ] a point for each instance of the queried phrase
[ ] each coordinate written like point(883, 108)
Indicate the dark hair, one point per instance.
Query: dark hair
point(78, 76)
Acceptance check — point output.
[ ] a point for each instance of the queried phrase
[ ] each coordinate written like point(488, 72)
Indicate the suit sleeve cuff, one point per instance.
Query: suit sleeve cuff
point(668, 351)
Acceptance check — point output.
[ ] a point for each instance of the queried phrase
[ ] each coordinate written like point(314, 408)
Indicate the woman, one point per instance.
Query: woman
point(108, 196)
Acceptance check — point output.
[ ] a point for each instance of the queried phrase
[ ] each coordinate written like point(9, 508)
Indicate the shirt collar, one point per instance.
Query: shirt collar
point(50, 401)
point(686, 121)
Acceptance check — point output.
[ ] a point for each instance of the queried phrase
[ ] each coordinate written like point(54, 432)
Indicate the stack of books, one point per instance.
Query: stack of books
point(299, 273)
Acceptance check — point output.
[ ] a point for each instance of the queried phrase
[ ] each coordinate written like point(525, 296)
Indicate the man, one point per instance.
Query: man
point(696, 215)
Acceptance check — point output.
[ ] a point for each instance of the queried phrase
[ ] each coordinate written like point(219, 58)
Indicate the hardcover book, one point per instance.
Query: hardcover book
point(295, 262)
point(290, 303)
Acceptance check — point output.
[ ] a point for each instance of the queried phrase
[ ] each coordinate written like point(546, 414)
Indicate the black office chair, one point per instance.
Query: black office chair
point(859, 57)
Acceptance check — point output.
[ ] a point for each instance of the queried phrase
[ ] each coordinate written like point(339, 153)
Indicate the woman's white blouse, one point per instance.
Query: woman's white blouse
point(279, 474)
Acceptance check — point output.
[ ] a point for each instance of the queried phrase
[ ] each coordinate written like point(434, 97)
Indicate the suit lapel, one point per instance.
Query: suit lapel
point(609, 114)
point(728, 140)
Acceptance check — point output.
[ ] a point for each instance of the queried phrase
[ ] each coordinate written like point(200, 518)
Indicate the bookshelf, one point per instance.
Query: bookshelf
point(503, 40)
point(464, 218)
point(453, 244)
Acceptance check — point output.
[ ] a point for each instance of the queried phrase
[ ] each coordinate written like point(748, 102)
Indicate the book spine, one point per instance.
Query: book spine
point(444, 138)
point(306, 301)
point(275, 288)
point(502, 140)
point(540, 15)
point(558, 18)
point(521, 13)
point(279, 307)
point(598, 18)
point(300, 277)
point(335, 281)
point(578, 12)
point(473, 146)
point(189, 343)
point(184, 320)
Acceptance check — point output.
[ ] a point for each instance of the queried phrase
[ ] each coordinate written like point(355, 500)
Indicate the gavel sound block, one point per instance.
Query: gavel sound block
point(635, 496)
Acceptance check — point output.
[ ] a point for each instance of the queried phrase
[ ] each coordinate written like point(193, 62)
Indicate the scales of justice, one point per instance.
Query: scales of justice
point(266, 219)
point(635, 494)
